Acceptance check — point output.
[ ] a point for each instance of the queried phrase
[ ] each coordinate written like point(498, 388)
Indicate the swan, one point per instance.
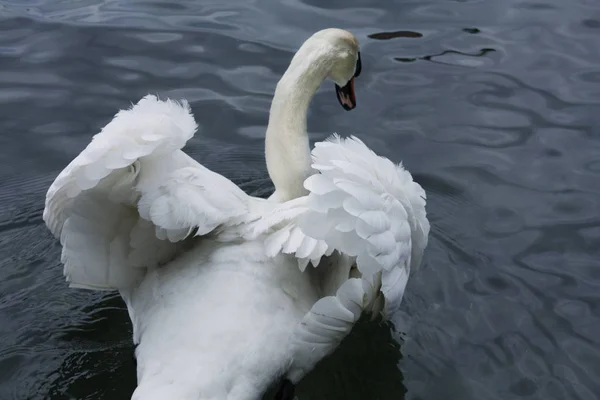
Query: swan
point(231, 295)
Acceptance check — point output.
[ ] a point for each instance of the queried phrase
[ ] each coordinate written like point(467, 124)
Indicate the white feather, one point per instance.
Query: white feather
point(365, 207)
point(209, 273)
point(134, 171)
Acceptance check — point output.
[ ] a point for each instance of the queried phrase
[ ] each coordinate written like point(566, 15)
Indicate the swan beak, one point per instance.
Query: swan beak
point(346, 95)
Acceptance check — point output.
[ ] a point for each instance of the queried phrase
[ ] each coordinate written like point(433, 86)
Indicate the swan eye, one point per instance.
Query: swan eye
point(286, 391)
point(358, 66)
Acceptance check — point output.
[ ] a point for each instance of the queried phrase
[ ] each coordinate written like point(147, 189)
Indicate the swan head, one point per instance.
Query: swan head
point(336, 52)
point(346, 65)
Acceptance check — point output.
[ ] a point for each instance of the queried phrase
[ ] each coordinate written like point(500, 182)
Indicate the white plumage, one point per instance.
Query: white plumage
point(227, 292)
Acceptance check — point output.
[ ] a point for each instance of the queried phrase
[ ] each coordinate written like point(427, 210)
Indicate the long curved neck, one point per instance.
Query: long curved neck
point(287, 147)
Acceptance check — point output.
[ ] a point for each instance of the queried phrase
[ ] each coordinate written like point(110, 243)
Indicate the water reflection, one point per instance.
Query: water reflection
point(350, 372)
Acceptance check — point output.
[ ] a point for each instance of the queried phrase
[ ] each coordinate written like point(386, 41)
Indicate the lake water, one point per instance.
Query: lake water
point(494, 106)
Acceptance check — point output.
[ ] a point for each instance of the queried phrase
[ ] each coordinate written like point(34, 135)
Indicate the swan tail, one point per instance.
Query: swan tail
point(92, 204)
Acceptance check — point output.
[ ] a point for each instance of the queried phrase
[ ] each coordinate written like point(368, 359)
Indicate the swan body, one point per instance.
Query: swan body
point(237, 321)
point(229, 294)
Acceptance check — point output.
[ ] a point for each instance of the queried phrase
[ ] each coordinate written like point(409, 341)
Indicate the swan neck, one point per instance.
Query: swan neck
point(287, 145)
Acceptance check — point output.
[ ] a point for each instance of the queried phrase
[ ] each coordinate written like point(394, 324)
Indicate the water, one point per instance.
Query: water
point(493, 105)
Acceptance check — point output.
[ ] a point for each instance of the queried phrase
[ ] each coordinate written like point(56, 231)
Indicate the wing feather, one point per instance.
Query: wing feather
point(373, 213)
point(132, 197)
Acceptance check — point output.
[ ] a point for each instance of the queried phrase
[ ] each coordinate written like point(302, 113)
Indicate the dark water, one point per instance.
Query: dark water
point(493, 105)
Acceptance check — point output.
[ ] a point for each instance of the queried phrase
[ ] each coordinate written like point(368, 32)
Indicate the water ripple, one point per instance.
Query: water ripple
point(492, 105)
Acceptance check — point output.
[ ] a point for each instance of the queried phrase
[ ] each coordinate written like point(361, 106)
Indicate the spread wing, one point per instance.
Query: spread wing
point(132, 199)
point(371, 213)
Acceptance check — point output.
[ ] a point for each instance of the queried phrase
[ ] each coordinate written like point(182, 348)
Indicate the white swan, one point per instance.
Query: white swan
point(216, 282)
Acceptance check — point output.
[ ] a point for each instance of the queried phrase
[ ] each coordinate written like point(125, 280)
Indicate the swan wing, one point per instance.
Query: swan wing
point(359, 204)
point(372, 214)
point(131, 199)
